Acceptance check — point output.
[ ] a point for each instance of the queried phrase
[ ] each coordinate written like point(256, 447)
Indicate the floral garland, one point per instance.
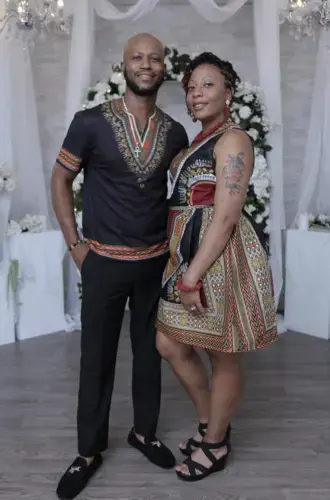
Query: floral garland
point(247, 111)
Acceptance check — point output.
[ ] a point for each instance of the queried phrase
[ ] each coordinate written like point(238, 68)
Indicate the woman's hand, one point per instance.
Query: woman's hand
point(191, 301)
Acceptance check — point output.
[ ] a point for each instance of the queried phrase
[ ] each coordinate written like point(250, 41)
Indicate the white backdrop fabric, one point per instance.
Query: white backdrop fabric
point(315, 182)
point(19, 131)
point(20, 145)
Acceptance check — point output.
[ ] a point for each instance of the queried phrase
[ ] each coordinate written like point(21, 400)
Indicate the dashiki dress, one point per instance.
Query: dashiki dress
point(237, 291)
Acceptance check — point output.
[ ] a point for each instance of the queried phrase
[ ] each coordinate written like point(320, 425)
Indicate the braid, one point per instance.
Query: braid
point(225, 67)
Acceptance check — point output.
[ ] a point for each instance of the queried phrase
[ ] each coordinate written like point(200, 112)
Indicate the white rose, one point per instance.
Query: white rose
point(260, 183)
point(323, 218)
point(256, 119)
point(235, 105)
point(79, 220)
point(245, 112)
point(266, 211)
point(76, 186)
point(99, 98)
point(267, 229)
point(10, 184)
point(179, 77)
point(32, 223)
point(259, 219)
point(169, 65)
point(252, 132)
point(250, 209)
point(260, 162)
point(248, 98)
point(122, 88)
point(261, 192)
point(2, 183)
point(117, 78)
point(80, 177)
point(13, 228)
point(311, 218)
point(102, 87)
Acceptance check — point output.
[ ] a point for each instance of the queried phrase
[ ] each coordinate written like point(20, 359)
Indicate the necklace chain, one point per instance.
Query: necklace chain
point(139, 141)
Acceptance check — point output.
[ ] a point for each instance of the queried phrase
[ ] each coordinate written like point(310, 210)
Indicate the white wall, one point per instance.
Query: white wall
point(182, 27)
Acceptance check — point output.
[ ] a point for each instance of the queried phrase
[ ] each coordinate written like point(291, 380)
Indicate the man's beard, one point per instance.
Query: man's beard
point(143, 92)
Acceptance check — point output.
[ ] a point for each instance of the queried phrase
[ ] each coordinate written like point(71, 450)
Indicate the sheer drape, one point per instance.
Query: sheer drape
point(267, 38)
point(315, 182)
point(19, 132)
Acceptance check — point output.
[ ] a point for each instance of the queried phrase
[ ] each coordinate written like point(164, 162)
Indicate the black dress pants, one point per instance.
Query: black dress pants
point(106, 286)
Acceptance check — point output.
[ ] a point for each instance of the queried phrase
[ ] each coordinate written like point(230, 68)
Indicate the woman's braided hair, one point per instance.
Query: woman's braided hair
point(225, 67)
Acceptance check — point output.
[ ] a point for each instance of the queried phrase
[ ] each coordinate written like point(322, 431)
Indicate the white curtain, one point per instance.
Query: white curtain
point(267, 40)
point(268, 60)
point(19, 132)
point(315, 181)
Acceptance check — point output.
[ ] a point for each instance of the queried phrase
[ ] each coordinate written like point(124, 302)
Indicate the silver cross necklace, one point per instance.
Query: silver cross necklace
point(139, 141)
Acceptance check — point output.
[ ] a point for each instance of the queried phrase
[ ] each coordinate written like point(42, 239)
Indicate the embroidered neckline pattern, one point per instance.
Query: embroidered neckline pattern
point(151, 157)
point(180, 159)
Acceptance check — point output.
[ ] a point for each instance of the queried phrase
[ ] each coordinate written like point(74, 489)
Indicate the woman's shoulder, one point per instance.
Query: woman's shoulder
point(234, 135)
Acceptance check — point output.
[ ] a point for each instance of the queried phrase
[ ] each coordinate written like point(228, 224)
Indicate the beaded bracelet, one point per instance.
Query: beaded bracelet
point(188, 289)
point(75, 244)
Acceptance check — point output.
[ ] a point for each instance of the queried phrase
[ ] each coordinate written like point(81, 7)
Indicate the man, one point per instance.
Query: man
point(125, 148)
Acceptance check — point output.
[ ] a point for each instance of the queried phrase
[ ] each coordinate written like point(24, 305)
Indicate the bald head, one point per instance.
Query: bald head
point(144, 64)
point(146, 41)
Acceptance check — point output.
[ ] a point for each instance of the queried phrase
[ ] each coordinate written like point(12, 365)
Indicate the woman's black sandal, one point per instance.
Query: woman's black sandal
point(193, 466)
point(192, 444)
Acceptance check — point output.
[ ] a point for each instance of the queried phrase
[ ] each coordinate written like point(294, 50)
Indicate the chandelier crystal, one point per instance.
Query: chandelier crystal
point(304, 17)
point(30, 17)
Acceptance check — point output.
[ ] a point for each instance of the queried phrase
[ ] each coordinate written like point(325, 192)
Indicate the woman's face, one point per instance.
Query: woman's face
point(207, 94)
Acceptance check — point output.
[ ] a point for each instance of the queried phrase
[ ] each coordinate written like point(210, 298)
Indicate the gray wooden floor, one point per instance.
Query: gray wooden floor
point(281, 434)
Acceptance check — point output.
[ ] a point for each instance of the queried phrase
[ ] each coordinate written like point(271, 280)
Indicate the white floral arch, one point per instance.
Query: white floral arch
point(268, 61)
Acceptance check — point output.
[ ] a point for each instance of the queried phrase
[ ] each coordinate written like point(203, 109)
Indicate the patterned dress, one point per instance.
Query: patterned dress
point(237, 293)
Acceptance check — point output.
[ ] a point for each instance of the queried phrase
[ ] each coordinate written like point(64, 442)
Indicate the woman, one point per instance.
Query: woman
point(217, 288)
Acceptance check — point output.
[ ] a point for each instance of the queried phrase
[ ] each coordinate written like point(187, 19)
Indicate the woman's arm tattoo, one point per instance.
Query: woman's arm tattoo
point(233, 172)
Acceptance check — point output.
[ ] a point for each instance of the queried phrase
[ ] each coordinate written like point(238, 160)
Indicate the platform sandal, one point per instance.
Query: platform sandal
point(192, 444)
point(194, 467)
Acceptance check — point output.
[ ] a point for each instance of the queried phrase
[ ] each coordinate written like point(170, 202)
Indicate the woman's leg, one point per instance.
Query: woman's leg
point(226, 391)
point(190, 370)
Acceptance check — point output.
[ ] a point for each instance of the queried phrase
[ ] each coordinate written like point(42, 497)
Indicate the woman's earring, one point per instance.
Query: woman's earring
point(227, 108)
point(191, 114)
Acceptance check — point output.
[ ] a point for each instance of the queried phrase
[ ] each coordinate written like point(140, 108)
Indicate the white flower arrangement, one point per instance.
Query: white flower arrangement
point(29, 223)
point(319, 222)
point(7, 179)
point(247, 111)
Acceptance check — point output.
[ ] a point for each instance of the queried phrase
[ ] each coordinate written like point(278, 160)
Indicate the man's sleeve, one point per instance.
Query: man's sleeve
point(76, 145)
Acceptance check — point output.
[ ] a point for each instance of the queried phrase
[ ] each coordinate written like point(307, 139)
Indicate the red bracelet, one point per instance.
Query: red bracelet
point(188, 289)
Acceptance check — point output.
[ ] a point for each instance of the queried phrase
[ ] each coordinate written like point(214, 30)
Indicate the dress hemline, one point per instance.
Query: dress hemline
point(208, 342)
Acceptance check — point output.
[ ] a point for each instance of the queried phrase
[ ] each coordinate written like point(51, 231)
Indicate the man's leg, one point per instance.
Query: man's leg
point(146, 383)
point(105, 288)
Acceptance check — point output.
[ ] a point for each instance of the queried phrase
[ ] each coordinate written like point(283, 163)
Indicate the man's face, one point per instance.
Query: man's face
point(144, 66)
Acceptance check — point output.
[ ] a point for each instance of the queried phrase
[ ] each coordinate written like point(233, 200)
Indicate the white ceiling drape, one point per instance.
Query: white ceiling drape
point(268, 61)
point(82, 44)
